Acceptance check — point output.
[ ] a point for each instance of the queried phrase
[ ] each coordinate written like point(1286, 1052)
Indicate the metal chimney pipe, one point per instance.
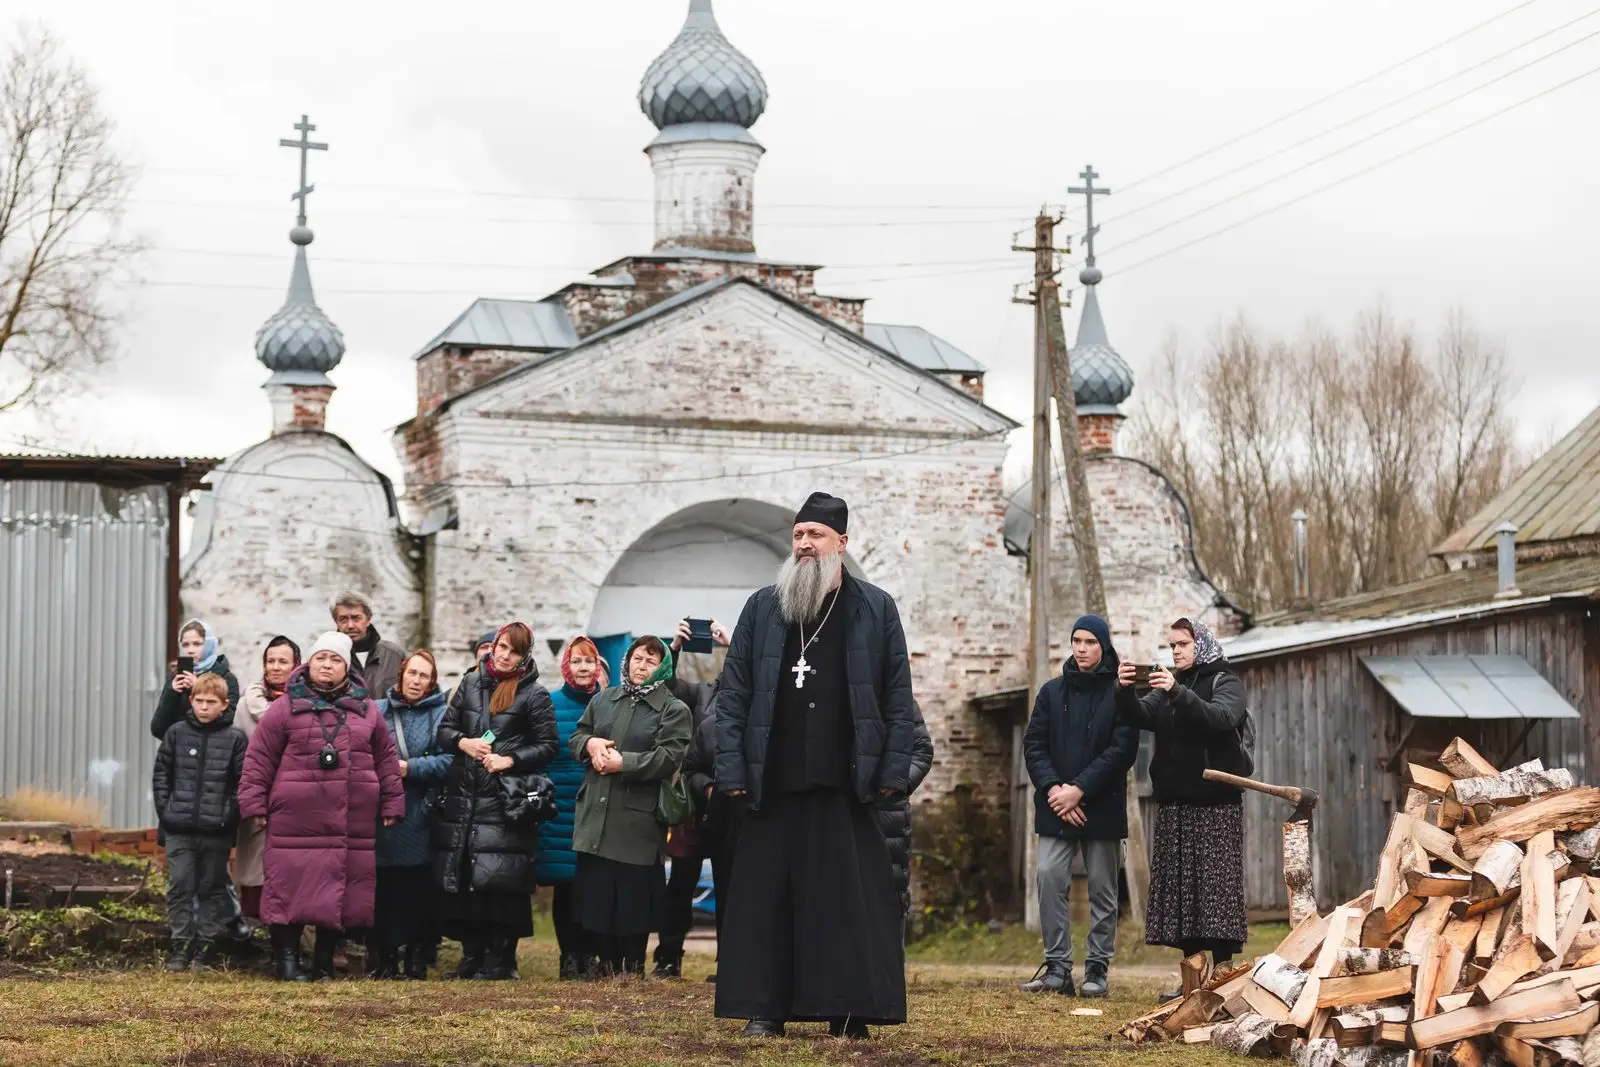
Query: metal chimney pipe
point(1505, 544)
point(1302, 556)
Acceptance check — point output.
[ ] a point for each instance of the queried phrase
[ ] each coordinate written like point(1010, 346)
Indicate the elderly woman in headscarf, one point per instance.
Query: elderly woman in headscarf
point(632, 737)
point(499, 722)
point(1196, 710)
point(197, 654)
point(320, 773)
point(278, 662)
point(581, 678)
point(413, 710)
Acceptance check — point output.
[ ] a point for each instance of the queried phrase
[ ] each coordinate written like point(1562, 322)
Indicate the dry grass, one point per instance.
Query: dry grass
point(231, 1021)
point(37, 805)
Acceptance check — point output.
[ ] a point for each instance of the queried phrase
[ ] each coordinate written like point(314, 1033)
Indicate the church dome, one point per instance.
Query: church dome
point(299, 338)
point(1101, 379)
point(702, 78)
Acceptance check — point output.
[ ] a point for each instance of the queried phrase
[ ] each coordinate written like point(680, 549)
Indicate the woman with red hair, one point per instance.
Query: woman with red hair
point(499, 721)
point(582, 676)
point(413, 711)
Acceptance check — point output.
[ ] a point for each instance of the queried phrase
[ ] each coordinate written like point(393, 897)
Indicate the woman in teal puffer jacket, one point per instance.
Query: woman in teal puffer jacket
point(413, 711)
point(582, 675)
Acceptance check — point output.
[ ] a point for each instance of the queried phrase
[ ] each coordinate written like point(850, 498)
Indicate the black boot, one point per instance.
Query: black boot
point(286, 955)
point(209, 957)
point(416, 963)
point(322, 958)
point(853, 1029)
point(472, 951)
point(383, 962)
point(178, 959)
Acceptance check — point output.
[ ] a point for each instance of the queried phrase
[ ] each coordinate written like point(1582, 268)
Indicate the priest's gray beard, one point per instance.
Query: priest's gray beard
point(804, 583)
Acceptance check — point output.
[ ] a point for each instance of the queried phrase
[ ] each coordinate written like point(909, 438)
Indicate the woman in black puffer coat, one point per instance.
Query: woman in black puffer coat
point(500, 720)
point(894, 815)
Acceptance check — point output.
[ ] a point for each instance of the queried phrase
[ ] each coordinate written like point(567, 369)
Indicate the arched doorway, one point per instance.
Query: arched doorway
point(703, 562)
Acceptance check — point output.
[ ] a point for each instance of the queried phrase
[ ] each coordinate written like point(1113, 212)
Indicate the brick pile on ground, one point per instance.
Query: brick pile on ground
point(1478, 944)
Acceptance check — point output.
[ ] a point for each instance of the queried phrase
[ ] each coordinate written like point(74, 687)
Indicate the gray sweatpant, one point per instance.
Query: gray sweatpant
point(1103, 861)
point(199, 900)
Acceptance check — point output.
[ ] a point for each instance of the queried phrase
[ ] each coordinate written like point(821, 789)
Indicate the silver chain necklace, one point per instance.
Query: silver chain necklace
point(801, 667)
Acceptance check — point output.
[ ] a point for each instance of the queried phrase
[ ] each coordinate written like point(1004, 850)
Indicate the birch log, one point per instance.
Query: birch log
point(1496, 870)
point(1297, 871)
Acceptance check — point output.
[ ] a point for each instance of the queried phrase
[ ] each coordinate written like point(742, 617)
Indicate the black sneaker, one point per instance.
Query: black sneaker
point(1095, 984)
point(180, 956)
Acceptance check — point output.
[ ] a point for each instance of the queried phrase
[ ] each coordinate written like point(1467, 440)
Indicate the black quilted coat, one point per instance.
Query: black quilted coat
point(471, 839)
point(881, 706)
point(894, 815)
point(196, 780)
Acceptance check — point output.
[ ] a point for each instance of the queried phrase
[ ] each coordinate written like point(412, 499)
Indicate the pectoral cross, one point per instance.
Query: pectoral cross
point(801, 669)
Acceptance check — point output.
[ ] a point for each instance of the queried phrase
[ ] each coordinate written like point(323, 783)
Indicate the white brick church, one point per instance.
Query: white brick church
point(540, 486)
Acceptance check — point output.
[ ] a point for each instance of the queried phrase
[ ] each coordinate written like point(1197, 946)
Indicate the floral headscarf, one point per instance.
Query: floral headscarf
point(581, 643)
point(1207, 649)
point(657, 678)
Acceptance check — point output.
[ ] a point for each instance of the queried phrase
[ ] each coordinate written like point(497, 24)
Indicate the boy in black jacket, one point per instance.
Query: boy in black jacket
point(196, 787)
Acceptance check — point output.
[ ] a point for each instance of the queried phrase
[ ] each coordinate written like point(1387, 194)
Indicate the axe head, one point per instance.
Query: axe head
point(1305, 805)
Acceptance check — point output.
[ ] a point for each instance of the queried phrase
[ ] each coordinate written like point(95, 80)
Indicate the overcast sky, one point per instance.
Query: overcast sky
point(495, 149)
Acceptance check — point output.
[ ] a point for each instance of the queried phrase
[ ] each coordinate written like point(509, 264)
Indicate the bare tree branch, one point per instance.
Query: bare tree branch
point(63, 188)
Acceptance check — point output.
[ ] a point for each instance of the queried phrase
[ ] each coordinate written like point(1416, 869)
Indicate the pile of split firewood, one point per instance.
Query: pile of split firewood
point(1478, 944)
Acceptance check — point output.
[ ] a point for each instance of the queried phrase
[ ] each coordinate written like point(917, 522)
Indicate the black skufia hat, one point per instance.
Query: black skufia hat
point(830, 511)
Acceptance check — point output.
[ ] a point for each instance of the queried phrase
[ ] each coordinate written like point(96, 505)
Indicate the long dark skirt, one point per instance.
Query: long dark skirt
point(405, 907)
point(1197, 879)
point(614, 899)
point(467, 916)
point(813, 931)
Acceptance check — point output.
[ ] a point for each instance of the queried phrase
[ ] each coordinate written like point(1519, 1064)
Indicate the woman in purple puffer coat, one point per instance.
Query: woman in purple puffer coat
point(320, 772)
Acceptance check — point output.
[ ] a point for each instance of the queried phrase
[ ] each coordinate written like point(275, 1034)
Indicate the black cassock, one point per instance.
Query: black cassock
point(813, 929)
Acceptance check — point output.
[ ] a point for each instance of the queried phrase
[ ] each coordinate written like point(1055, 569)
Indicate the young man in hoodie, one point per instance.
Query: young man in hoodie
point(1078, 751)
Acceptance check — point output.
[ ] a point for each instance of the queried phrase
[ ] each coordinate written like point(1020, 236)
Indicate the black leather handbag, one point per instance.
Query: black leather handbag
point(529, 799)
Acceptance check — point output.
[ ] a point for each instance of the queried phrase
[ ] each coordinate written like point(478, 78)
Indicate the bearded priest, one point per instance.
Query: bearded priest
point(815, 723)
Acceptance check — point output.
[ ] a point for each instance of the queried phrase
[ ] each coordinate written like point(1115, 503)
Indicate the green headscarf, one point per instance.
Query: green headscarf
point(658, 677)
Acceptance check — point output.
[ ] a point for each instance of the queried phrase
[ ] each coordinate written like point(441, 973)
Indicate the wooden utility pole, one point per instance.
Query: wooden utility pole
point(1039, 667)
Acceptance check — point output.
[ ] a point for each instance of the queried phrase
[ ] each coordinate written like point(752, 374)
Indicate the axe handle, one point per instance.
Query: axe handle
point(1287, 792)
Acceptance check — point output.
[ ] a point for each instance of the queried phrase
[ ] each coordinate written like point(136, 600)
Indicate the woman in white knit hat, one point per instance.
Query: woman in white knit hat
point(321, 770)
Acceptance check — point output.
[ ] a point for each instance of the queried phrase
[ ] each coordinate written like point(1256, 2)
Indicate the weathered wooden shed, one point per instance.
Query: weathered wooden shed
point(1503, 648)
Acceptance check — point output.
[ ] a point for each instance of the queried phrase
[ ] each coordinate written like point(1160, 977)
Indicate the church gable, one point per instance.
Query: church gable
point(730, 353)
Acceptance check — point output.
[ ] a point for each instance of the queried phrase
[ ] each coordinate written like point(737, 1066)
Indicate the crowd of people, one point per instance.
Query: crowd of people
point(361, 802)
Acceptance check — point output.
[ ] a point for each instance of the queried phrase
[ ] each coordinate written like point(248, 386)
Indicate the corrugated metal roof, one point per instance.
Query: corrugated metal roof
point(1468, 687)
point(1555, 499)
point(537, 325)
point(922, 349)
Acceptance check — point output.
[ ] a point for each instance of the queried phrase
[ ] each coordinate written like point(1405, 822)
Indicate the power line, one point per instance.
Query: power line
point(1356, 143)
point(1363, 171)
point(1369, 114)
point(1319, 101)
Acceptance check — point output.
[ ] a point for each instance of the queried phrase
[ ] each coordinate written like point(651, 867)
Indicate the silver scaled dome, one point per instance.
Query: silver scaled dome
point(299, 340)
point(1101, 380)
point(702, 78)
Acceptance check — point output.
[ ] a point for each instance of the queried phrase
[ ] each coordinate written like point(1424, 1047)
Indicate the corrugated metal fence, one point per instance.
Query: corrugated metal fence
point(82, 641)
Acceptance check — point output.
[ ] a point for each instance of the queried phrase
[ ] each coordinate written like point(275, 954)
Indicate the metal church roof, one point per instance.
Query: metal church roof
point(536, 325)
point(922, 349)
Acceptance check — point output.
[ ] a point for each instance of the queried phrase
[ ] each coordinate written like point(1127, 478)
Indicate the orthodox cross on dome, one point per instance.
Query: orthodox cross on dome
point(1088, 191)
point(306, 146)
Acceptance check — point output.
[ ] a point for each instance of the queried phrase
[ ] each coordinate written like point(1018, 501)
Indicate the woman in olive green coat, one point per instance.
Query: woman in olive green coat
point(632, 737)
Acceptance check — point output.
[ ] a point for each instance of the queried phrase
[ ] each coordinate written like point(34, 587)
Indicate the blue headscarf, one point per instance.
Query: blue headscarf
point(208, 654)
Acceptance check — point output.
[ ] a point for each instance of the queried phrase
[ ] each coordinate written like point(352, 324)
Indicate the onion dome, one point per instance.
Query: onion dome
point(1101, 380)
point(299, 343)
point(702, 78)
